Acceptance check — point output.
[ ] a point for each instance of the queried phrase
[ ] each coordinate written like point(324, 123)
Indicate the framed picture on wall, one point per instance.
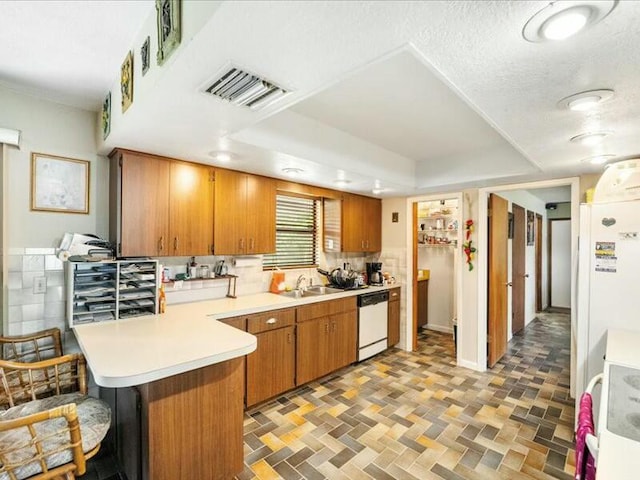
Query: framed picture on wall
point(168, 21)
point(531, 231)
point(59, 184)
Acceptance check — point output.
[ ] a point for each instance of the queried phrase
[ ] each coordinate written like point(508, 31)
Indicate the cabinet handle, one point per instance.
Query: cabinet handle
point(251, 244)
point(161, 243)
point(326, 328)
point(394, 294)
point(175, 243)
point(288, 338)
point(333, 326)
point(271, 321)
point(242, 244)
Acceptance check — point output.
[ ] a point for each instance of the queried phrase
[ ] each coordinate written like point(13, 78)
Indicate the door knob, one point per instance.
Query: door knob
point(509, 284)
point(526, 275)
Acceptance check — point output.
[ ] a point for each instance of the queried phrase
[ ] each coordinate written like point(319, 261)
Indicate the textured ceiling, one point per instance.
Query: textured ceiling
point(421, 96)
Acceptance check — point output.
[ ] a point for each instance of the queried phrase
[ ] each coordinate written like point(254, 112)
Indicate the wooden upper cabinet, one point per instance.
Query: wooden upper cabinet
point(245, 214)
point(191, 209)
point(139, 204)
point(159, 206)
point(361, 224)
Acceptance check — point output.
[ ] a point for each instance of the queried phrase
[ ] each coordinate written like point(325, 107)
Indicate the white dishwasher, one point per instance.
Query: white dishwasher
point(372, 323)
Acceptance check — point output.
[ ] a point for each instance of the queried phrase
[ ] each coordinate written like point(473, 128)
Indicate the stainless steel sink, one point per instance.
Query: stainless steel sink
point(313, 291)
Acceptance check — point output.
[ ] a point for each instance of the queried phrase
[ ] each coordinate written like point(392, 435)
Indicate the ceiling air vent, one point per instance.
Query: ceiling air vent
point(242, 88)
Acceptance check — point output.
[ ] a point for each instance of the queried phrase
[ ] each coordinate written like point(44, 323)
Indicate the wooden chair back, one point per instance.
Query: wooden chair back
point(34, 347)
point(39, 444)
point(24, 382)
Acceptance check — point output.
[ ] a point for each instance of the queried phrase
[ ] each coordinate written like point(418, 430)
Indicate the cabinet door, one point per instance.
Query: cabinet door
point(352, 234)
point(343, 339)
point(271, 367)
point(393, 318)
point(373, 224)
point(312, 345)
point(144, 205)
point(230, 215)
point(260, 215)
point(191, 209)
point(423, 302)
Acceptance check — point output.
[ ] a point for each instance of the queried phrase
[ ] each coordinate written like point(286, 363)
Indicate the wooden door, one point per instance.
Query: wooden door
point(393, 321)
point(271, 367)
point(191, 209)
point(497, 307)
point(352, 235)
point(144, 220)
point(372, 224)
point(260, 215)
point(518, 268)
point(312, 340)
point(230, 212)
point(538, 241)
point(343, 340)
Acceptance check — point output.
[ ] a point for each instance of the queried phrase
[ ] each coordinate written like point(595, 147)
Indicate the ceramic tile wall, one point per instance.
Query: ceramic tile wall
point(29, 311)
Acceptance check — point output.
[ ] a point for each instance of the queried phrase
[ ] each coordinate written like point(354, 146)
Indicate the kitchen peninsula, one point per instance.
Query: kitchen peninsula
point(189, 370)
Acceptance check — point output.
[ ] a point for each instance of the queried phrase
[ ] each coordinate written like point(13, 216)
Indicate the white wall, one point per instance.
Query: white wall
point(30, 238)
point(560, 263)
point(528, 202)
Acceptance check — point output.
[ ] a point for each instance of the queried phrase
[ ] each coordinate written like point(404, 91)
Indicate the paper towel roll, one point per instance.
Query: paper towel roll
point(246, 261)
point(63, 255)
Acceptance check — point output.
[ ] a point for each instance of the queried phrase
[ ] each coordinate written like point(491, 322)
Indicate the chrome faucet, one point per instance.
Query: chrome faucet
point(300, 280)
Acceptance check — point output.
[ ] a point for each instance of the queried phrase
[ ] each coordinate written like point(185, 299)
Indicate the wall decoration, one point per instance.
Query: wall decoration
point(126, 81)
point(106, 116)
point(145, 55)
point(59, 184)
point(531, 232)
point(467, 247)
point(168, 19)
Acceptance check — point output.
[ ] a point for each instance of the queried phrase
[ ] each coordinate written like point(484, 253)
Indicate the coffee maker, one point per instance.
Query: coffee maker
point(374, 273)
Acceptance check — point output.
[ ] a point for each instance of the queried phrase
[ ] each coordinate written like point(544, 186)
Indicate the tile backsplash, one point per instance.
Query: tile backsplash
point(29, 311)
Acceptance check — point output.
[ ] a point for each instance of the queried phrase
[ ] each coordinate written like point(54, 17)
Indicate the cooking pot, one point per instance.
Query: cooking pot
point(341, 278)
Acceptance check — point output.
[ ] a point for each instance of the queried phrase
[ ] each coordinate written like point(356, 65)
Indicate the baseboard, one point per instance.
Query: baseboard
point(438, 328)
point(471, 365)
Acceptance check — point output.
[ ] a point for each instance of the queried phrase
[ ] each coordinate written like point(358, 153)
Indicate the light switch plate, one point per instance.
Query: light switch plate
point(40, 285)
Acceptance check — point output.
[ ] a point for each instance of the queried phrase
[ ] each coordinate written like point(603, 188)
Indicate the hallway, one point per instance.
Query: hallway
point(409, 415)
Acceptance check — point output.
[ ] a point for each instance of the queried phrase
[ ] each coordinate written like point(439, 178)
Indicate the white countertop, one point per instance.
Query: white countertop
point(619, 457)
point(144, 349)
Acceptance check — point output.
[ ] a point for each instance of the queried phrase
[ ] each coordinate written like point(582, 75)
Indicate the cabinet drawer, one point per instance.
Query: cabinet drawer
point(262, 322)
point(325, 308)
point(237, 322)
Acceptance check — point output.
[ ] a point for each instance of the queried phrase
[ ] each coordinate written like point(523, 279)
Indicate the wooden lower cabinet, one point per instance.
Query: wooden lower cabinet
point(393, 319)
point(271, 367)
point(326, 338)
point(192, 424)
point(423, 303)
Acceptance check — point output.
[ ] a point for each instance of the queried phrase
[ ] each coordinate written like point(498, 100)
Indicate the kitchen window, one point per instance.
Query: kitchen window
point(296, 233)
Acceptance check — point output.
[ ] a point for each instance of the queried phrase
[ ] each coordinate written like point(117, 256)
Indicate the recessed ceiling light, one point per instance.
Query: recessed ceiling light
point(563, 19)
point(590, 139)
point(222, 157)
point(341, 182)
point(599, 159)
point(583, 101)
point(292, 171)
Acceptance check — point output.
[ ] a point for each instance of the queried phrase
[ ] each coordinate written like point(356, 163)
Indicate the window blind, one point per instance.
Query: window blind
point(296, 243)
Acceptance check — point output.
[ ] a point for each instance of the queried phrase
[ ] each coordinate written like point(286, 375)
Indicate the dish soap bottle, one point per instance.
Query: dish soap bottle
point(162, 300)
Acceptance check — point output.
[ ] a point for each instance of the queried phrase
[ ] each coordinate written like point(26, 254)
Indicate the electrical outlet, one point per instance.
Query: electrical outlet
point(40, 285)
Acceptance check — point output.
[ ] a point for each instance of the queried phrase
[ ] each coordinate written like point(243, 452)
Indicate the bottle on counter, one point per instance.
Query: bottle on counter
point(193, 268)
point(162, 300)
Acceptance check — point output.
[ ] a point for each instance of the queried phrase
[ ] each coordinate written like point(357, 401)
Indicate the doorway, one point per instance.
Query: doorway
point(518, 268)
point(571, 185)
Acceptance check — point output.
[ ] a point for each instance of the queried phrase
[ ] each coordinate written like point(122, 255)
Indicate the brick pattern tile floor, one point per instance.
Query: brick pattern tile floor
point(415, 415)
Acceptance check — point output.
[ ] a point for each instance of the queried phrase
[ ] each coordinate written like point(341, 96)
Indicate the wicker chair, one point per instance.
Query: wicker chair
point(51, 427)
point(32, 348)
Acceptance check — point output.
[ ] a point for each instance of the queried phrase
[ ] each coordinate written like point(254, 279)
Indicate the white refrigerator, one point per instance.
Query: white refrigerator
point(608, 281)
